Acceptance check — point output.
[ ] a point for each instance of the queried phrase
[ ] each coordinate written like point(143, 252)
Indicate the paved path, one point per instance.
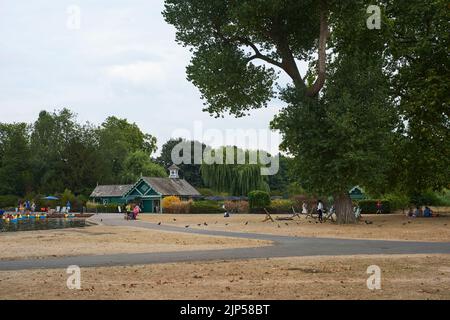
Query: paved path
point(283, 246)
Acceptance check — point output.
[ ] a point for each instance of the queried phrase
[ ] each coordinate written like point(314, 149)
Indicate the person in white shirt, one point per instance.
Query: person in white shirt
point(320, 210)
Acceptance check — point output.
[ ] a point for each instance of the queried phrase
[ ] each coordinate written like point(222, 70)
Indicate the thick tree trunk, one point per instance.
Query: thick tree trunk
point(344, 209)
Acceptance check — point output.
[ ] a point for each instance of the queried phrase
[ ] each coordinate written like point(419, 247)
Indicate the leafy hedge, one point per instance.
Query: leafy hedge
point(258, 200)
point(370, 206)
point(206, 207)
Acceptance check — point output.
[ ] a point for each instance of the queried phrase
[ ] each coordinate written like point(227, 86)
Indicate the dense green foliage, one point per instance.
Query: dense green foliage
point(236, 179)
point(57, 153)
point(206, 207)
point(258, 199)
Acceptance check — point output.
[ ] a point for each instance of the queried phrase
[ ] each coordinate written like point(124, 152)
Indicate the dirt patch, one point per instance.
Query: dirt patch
point(402, 277)
point(98, 240)
point(389, 227)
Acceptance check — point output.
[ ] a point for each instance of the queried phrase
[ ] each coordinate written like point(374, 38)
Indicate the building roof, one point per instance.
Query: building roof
point(174, 167)
point(111, 191)
point(171, 187)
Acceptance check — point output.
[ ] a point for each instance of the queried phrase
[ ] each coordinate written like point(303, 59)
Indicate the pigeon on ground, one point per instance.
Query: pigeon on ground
point(286, 223)
point(199, 224)
point(368, 222)
point(246, 223)
point(226, 224)
point(174, 219)
point(279, 226)
point(205, 224)
point(187, 226)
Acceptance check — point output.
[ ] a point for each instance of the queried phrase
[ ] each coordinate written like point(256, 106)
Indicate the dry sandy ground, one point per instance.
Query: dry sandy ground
point(402, 277)
point(392, 226)
point(106, 240)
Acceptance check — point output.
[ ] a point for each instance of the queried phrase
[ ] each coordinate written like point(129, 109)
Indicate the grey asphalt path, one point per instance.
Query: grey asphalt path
point(283, 246)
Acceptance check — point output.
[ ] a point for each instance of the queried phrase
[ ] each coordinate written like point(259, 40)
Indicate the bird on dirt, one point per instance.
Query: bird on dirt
point(159, 223)
point(174, 219)
point(205, 224)
point(226, 224)
point(199, 224)
point(187, 226)
point(368, 222)
point(279, 226)
point(246, 223)
point(286, 223)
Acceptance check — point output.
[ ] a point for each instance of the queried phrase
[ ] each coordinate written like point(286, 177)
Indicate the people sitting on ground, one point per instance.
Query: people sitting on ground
point(418, 212)
point(410, 212)
point(428, 213)
point(226, 214)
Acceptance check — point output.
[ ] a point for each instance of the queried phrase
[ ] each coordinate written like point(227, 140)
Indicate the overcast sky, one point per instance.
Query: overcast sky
point(122, 61)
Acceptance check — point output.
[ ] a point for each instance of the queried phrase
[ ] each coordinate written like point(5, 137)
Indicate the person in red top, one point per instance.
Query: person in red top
point(379, 207)
point(136, 211)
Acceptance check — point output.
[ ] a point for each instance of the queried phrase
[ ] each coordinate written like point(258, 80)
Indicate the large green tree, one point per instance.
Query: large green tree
point(139, 164)
point(117, 139)
point(238, 178)
point(238, 47)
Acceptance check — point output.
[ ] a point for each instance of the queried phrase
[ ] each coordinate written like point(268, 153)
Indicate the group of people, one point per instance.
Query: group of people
point(418, 212)
point(132, 211)
point(26, 207)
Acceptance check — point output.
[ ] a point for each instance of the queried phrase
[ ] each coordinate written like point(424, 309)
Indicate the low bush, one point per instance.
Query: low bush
point(370, 206)
point(237, 206)
point(168, 202)
point(206, 207)
point(178, 207)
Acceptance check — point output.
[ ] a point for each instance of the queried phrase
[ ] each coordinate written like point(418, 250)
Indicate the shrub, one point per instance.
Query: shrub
point(370, 206)
point(258, 200)
point(102, 208)
point(237, 206)
point(167, 202)
point(398, 201)
point(206, 207)
point(8, 201)
point(281, 206)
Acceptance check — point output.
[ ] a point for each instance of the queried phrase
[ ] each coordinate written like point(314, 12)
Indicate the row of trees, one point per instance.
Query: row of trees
point(56, 153)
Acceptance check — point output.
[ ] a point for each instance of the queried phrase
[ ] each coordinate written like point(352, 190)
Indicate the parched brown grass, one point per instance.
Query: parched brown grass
point(402, 277)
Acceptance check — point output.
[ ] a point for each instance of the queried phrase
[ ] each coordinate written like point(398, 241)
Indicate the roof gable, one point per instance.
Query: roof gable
point(111, 191)
point(171, 187)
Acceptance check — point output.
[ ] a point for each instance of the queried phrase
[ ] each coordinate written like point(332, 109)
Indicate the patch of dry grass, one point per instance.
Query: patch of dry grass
point(390, 227)
point(98, 240)
point(403, 277)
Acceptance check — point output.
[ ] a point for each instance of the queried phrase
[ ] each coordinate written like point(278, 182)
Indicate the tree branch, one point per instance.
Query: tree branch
point(321, 67)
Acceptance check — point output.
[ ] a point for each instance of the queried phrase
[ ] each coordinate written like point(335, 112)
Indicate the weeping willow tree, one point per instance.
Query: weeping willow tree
point(237, 178)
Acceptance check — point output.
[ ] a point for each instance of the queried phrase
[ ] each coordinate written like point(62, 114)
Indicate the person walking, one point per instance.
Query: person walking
point(320, 210)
